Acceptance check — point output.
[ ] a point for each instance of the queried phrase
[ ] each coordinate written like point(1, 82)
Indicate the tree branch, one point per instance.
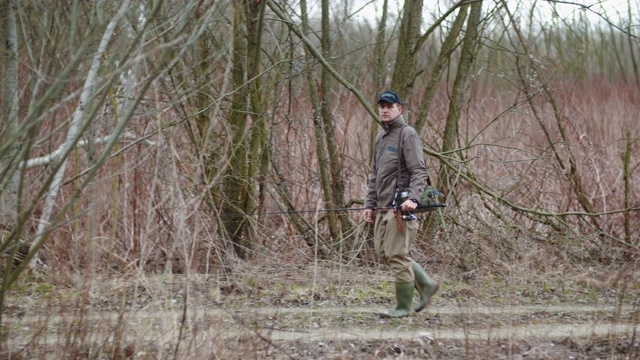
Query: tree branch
point(274, 7)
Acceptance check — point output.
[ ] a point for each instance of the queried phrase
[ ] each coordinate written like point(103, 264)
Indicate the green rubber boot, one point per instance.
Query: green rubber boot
point(404, 298)
point(425, 285)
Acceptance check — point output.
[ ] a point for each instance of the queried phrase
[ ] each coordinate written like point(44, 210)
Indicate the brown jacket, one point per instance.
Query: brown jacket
point(413, 173)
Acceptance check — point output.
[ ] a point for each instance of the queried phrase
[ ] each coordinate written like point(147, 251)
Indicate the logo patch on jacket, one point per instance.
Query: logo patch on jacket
point(393, 149)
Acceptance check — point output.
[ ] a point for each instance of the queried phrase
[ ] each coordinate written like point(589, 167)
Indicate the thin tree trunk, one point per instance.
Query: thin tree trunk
point(626, 178)
point(8, 184)
point(379, 72)
point(238, 186)
point(433, 221)
point(632, 44)
point(8, 160)
point(233, 194)
point(404, 73)
point(319, 132)
point(335, 163)
point(379, 75)
point(327, 124)
point(447, 49)
point(258, 130)
point(467, 58)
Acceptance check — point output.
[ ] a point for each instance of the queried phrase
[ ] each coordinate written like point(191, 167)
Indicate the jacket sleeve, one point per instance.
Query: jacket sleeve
point(372, 195)
point(415, 164)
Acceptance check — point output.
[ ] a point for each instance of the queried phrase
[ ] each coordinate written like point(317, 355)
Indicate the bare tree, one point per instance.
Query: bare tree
point(238, 194)
point(404, 73)
point(458, 92)
point(336, 180)
point(9, 125)
point(444, 58)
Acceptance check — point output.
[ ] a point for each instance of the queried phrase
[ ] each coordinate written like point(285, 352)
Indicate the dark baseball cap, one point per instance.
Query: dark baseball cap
point(390, 97)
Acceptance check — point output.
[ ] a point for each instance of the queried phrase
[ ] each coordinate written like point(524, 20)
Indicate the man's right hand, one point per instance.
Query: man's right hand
point(367, 215)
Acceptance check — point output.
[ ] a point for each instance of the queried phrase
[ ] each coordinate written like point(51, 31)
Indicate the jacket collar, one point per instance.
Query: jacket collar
point(393, 124)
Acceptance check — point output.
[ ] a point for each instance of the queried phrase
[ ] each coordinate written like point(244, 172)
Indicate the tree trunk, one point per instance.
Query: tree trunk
point(8, 183)
point(404, 73)
point(319, 131)
point(9, 124)
point(257, 165)
point(379, 73)
point(335, 161)
point(433, 221)
point(632, 40)
point(238, 196)
point(444, 58)
point(467, 58)
point(626, 178)
point(233, 195)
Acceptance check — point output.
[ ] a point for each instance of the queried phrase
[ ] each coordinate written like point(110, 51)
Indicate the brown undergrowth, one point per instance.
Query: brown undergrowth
point(311, 310)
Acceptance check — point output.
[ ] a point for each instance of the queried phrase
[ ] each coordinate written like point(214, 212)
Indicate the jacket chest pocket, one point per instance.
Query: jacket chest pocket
point(388, 159)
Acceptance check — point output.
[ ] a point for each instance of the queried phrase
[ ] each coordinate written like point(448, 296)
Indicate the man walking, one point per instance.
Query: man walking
point(394, 233)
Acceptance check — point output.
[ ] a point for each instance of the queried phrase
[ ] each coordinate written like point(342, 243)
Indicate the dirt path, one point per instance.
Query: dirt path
point(177, 312)
point(538, 331)
point(331, 332)
point(343, 323)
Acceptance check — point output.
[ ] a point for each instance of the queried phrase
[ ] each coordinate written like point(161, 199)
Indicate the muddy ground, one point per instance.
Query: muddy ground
point(318, 313)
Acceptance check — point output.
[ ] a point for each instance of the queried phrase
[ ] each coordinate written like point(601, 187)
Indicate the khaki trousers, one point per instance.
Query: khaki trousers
point(392, 246)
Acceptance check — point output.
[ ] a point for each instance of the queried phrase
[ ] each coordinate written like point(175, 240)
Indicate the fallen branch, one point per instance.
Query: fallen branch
point(55, 155)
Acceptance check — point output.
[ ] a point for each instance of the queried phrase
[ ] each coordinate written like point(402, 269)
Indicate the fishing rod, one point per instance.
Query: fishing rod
point(380, 208)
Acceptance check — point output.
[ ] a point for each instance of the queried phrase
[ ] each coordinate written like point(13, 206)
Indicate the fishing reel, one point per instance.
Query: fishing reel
point(409, 217)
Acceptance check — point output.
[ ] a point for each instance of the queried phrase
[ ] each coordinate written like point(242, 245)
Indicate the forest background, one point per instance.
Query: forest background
point(161, 136)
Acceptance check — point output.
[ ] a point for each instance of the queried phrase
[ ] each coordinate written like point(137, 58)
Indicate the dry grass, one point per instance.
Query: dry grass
point(302, 310)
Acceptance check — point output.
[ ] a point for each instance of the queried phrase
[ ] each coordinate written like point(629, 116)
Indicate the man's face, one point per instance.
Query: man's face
point(388, 111)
